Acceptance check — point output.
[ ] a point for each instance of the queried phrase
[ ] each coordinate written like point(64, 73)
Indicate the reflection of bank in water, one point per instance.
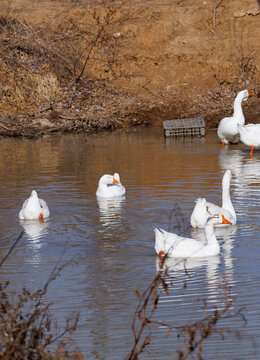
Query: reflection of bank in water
point(110, 210)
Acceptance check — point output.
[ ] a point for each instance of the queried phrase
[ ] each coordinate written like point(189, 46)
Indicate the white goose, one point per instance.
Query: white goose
point(34, 208)
point(250, 135)
point(172, 245)
point(109, 186)
point(204, 209)
point(227, 128)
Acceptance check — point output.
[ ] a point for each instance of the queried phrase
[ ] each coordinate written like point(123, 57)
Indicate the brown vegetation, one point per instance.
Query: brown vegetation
point(27, 330)
point(77, 66)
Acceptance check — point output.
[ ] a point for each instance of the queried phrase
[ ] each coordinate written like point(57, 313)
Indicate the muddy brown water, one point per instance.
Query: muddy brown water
point(113, 241)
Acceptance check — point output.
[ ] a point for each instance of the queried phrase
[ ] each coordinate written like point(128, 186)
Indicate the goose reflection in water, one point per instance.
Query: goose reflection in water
point(251, 170)
point(35, 230)
point(176, 264)
point(183, 268)
point(226, 233)
point(214, 281)
point(110, 210)
point(232, 159)
point(247, 183)
point(246, 170)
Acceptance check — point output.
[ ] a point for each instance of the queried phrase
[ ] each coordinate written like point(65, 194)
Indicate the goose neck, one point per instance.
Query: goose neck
point(238, 111)
point(225, 194)
point(227, 203)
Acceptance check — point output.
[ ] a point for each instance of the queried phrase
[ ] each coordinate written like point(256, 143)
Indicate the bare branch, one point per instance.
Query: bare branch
point(12, 247)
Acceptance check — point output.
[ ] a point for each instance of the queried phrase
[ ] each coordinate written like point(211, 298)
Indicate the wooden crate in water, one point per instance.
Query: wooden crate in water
point(184, 127)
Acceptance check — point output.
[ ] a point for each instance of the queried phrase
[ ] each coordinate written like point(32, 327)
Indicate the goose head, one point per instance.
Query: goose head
point(220, 219)
point(110, 179)
point(34, 194)
point(244, 94)
point(116, 178)
point(106, 179)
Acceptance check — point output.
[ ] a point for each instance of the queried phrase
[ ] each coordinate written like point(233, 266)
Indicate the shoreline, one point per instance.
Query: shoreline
point(104, 67)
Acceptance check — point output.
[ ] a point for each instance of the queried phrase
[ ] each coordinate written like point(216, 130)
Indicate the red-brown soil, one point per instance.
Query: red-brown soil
point(87, 66)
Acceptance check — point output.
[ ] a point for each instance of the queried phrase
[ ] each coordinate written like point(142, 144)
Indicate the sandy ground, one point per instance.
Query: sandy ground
point(94, 65)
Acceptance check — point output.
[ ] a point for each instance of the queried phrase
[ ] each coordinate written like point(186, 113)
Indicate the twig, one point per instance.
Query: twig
point(12, 247)
point(88, 55)
point(215, 6)
point(219, 3)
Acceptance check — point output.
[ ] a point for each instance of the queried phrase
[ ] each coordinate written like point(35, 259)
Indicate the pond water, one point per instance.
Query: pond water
point(112, 242)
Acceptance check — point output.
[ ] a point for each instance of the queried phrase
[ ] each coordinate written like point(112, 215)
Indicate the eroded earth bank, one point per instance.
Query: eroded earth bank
point(93, 65)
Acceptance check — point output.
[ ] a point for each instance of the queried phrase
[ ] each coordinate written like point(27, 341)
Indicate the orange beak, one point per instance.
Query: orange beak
point(225, 221)
point(161, 253)
point(41, 218)
point(250, 93)
point(115, 181)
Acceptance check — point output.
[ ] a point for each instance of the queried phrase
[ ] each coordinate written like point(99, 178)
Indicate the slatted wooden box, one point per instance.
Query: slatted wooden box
point(184, 127)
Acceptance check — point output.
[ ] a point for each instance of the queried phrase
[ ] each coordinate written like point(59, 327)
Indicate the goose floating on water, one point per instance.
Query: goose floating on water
point(34, 208)
point(173, 245)
point(204, 209)
point(227, 128)
point(109, 186)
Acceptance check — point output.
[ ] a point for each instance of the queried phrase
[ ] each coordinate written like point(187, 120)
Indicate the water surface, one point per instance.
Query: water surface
point(112, 242)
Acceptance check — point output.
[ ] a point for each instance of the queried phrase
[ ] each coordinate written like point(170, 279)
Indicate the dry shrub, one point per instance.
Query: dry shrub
point(247, 66)
point(31, 67)
point(26, 328)
point(22, 91)
point(67, 66)
point(45, 67)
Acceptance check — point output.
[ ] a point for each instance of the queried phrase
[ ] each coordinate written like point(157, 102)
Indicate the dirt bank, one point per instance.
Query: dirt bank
point(68, 66)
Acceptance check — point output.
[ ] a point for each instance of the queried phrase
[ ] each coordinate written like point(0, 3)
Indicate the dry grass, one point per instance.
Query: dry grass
point(113, 64)
point(30, 69)
point(46, 84)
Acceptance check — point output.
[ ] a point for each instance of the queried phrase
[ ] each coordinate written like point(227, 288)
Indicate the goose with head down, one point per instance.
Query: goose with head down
point(34, 208)
point(173, 245)
point(109, 186)
point(250, 135)
point(203, 209)
point(227, 128)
